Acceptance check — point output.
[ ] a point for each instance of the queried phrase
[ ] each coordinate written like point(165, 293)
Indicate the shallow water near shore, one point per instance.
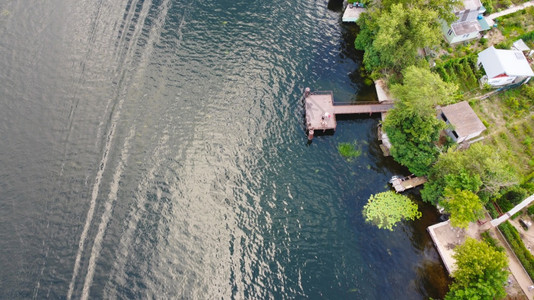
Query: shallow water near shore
point(156, 149)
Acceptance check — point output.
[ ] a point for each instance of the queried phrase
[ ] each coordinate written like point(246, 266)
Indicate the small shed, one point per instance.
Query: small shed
point(520, 45)
point(504, 67)
point(465, 122)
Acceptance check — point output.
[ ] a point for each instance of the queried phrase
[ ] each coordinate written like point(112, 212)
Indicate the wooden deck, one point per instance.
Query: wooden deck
point(401, 184)
point(352, 13)
point(321, 110)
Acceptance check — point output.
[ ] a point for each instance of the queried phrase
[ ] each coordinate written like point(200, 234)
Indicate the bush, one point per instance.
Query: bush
point(488, 4)
point(527, 37)
point(491, 210)
point(504, 45)
point(441, 71)
point(514, 195)
point(491, 241)
point(528, 91)
point(504, 204)
point(512, 236)
point(461, 71)
point(530, 210)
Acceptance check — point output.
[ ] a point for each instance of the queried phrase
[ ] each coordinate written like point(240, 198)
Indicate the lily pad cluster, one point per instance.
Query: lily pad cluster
point(386, 209)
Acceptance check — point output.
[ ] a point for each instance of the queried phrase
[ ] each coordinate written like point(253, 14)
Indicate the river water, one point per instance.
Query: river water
point(155, 149)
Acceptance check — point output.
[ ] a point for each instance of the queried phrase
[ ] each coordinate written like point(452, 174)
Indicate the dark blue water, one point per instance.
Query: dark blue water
point(155, 149)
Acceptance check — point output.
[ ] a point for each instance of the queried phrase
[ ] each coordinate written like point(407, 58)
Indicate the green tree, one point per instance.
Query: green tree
point(464, 206)
point(391, 34)
point(411, 125)
point(492, 166)
point(423, 89)
point(386, 209)
point(365, 38)
point(444, 8)
point(480, 272)
point(480, 167)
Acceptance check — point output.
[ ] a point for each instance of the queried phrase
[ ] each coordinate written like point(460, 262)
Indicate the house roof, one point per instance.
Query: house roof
point(520, 45)
point(467, 27)
point(509, 62)
point(468, 5)
point(463, 118)
point(472, 4)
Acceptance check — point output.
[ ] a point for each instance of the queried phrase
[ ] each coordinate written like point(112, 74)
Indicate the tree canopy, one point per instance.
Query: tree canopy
point(386, 209)
point(412, 126)
point(481, 272)
point(444, 8)
point(480, 167)
point(464, 207)
point(423, 89)
point(392, 33)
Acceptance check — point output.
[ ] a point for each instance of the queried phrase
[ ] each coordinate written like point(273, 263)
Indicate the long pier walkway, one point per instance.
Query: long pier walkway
point(321, 110)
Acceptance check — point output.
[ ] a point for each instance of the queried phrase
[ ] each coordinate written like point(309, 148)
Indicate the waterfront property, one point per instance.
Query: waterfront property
point(446, 238)
point(321, 110)
point(468, 24)
point(400, 184)
point(464, 121)
point(352, 12)
point(504, 67)
point(520, 45)
point(513, 211)
point(382, 91)
point(385, 143)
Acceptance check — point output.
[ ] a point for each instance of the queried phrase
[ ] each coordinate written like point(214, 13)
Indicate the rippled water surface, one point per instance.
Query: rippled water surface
point(155, 149)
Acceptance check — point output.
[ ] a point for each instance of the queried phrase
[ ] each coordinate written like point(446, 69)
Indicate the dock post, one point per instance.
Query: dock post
point(310, 134)
point(307, 92)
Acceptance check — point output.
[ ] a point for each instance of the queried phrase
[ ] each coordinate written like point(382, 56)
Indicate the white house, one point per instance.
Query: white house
point(464, 121)
point(504, 67)
point(468, 24)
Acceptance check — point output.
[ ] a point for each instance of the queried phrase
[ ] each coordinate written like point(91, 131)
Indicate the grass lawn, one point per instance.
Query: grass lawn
point(509, 117)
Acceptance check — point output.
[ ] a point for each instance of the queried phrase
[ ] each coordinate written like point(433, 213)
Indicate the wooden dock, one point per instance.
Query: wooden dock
point(362, 108)
point(400, 184)
point(382, 91)
point(385, 144)
point(352, 13)
point(321, 110)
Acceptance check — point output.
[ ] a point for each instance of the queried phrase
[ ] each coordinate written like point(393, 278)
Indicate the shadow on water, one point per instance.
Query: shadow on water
point(432, 276)
point(358, 76)
point(335, 5)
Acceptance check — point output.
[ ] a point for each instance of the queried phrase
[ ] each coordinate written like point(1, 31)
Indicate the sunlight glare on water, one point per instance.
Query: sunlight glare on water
point(156, 149)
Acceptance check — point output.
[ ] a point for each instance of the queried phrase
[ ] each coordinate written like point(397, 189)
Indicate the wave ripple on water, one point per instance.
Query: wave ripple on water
point(156, 149)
